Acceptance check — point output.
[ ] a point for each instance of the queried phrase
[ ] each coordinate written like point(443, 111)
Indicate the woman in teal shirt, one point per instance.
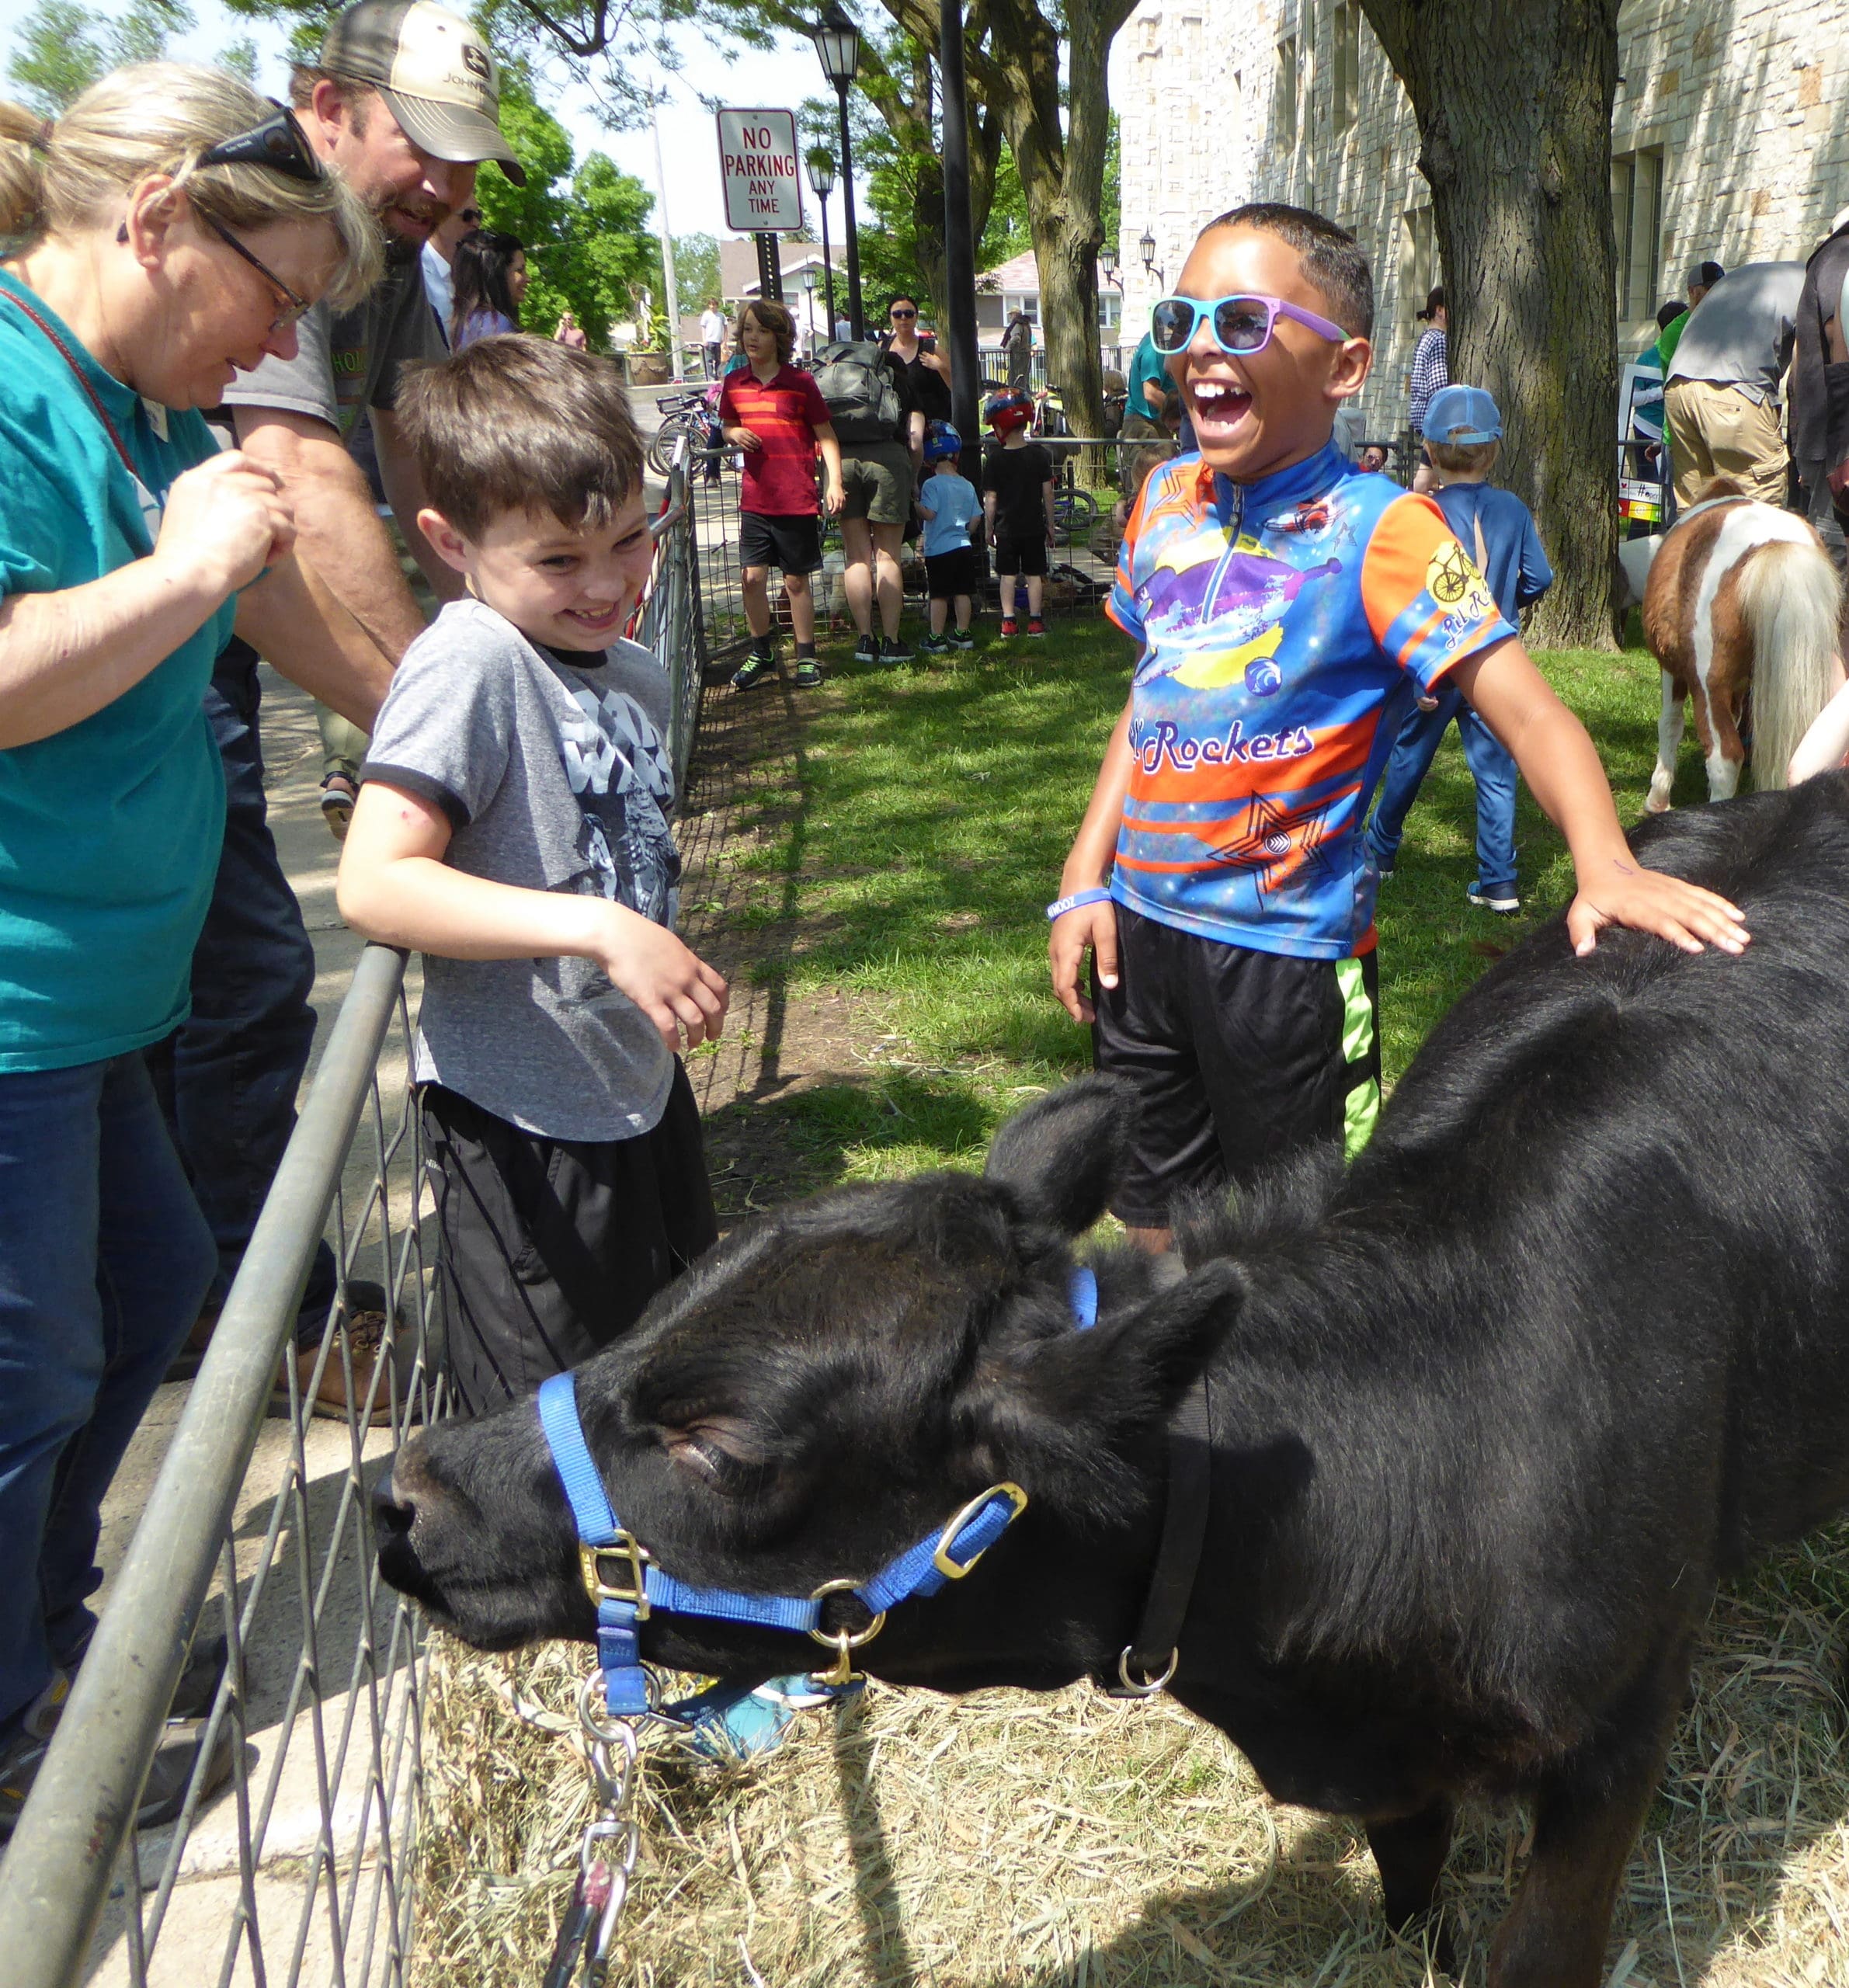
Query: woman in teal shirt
point(172, 228)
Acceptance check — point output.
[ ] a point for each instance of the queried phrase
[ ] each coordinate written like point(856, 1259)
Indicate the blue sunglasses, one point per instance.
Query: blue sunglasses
point(1242, 323)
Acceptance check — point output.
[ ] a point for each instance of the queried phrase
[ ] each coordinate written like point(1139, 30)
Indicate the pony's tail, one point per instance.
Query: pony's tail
point(1791, 598)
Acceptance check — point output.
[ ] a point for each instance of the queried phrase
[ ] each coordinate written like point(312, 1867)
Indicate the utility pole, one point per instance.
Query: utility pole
point(661, 182)
point(959, 249)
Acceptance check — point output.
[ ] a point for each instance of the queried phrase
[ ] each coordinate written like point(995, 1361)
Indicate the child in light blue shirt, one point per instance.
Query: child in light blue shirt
point(947, 503)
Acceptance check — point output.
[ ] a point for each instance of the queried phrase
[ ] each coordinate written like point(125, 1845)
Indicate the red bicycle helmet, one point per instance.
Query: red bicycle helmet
point(1006, 410)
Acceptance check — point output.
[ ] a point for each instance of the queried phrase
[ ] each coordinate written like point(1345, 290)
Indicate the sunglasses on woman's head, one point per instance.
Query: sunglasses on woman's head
point(279, 143)
point(1242, 323)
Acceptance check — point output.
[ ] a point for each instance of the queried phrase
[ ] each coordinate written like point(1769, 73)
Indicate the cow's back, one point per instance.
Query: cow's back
point(1651, 1149)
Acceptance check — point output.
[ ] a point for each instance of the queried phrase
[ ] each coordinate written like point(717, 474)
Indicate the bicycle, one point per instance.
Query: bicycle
point(1074, 508)
point(690, 415)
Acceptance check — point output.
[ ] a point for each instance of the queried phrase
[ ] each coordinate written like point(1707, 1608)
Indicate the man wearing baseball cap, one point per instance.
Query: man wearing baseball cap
point(404, 100)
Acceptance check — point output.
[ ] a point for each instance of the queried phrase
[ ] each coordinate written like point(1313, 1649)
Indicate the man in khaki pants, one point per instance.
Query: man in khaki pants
point(1722, 406)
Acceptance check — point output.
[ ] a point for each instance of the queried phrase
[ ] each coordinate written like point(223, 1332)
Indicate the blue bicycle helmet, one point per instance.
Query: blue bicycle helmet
point(941, 439)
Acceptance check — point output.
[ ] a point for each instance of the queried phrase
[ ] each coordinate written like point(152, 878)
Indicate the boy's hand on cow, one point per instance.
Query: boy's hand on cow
point(1647, 901)
point(1092, 926)
point(670, 983)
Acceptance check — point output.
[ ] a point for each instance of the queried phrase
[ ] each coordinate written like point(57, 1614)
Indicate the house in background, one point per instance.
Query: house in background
point(805, 286)
point(1729, 136)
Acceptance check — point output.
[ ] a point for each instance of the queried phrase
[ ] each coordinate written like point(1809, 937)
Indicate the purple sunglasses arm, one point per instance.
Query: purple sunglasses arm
point(1320, 326)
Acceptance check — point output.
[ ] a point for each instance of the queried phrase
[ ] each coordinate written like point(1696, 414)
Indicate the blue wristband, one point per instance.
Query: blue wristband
point(1060, 906)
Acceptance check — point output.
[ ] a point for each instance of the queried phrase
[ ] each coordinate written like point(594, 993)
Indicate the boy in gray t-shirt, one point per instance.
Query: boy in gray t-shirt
point(512, 825)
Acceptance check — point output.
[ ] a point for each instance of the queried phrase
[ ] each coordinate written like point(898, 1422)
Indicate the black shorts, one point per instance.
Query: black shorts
point(951, 573)
point(1020, 555)
point(548, 1249)
point(792, 543)
point(1238, 1057)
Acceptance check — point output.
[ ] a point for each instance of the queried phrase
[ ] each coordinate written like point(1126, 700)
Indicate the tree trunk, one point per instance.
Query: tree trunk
point(1059, 149)
point(1513, 105)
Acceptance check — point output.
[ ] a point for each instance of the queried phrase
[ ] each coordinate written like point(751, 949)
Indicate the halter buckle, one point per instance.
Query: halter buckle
point(1142, 1688)
point(628, 1551)
point(955, 1570)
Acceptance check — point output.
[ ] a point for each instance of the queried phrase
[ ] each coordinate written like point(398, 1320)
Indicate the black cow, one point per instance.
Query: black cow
point(1492, 1411)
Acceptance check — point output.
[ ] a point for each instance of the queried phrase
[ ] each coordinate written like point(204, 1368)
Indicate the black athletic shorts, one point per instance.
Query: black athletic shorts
point(548, 1249)
point(1020, 555)
point(1238, 1058)
point(792, 543)
point(951, 573)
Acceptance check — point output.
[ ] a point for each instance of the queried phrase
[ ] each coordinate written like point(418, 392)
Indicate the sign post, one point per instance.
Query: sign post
point(759, 165)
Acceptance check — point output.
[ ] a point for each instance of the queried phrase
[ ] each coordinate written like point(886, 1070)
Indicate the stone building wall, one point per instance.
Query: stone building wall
point(1744, 102)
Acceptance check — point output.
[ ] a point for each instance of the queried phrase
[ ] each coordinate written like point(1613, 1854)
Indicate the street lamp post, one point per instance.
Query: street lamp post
point(821, 181)
point(1107, 261)
point(838, 45)
point(1146, 246)
point(809, 298)
point(959, 245)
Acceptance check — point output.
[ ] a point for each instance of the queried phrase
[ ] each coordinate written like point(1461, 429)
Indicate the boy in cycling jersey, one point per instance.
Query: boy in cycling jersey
point(1288, 610)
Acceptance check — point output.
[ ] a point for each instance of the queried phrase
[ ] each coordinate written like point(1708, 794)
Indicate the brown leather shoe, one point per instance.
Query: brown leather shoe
point(364, 1333)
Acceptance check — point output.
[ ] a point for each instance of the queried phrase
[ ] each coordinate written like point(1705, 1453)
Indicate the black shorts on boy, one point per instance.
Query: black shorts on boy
point(533, 1234)
point(950, 574)
point(1021, 555)
point(792, 543)
point(1239, 1057)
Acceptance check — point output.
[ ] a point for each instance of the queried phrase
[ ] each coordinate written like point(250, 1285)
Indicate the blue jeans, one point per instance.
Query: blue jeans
point(228, 1078)
point(1490, 766)
point(104, 1259)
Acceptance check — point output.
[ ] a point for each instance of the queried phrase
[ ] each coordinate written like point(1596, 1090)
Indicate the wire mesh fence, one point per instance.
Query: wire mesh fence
point(293, 1859)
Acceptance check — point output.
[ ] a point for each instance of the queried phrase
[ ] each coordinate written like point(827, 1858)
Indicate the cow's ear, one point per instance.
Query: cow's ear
point(1060, 1158)
point(1062, 1416)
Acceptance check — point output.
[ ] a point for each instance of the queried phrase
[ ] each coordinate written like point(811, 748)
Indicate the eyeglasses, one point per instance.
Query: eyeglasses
point(297, 304)
point(1241, 325)
point(279, 143)
point(897, 313)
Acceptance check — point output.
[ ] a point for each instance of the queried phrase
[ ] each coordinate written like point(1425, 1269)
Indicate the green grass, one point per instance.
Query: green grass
point(934, 809)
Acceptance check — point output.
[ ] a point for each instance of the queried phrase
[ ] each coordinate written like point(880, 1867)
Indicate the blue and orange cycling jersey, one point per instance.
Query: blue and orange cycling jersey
point(1286, 627)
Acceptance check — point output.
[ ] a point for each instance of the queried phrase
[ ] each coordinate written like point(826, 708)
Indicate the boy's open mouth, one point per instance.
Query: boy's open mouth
point(1219, 407)
point(596, 620)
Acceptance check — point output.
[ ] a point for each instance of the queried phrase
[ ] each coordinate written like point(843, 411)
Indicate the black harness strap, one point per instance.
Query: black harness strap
point(1149, 1661)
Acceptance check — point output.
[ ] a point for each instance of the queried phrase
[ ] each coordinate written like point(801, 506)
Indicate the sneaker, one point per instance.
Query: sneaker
point(866, 650)
point(963, 639)
point(808, 673)
point(1009, 626)
point(753, 671)
point(337, 794)
point(893, 652)
point(176, 1759)
point(933, 645)
point(1503, 907)
point(1036, 626)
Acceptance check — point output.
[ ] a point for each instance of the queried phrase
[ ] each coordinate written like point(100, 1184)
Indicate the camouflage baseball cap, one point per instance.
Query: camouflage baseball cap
point(436, 73)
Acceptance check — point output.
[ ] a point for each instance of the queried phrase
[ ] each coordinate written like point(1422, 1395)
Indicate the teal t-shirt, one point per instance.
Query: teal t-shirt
point(110, 831)
point(1148, 365)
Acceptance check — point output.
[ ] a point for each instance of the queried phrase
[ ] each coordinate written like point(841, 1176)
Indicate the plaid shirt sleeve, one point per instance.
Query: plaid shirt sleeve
point(1429, 373)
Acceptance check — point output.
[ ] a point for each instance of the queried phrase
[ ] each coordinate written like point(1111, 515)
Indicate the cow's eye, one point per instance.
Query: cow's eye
point(717, 1450)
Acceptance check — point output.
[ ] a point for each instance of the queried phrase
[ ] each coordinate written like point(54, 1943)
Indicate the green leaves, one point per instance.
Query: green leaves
point(62, 48)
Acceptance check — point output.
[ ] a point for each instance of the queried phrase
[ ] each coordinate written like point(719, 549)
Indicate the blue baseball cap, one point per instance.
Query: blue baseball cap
point(1461, 415)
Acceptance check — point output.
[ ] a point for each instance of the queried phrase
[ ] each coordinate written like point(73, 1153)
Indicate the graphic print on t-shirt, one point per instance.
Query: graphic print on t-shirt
point(617, 765)
point(1285, 627)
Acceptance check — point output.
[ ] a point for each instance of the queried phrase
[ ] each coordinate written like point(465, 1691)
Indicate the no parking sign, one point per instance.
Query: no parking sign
point(758, 162)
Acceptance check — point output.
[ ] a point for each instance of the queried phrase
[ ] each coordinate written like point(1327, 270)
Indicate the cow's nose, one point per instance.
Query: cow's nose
point(393, 1516)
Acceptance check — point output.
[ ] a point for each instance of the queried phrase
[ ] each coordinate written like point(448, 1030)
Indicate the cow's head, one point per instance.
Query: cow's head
point(828, 1386)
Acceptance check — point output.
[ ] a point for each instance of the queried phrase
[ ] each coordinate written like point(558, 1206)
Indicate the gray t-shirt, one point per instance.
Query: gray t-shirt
point(1740, 334)
point(555, 776)
point(349, 363)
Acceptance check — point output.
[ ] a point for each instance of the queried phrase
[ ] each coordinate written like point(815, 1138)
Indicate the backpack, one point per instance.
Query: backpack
point(863, 403)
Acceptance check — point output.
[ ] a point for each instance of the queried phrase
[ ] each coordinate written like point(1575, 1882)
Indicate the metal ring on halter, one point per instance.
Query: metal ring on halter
point(844, 1639)
point(1145, 1688)
point(595, 1721)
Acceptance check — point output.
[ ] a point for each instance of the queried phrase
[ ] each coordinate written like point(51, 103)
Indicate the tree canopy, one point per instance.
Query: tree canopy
point(61, 48)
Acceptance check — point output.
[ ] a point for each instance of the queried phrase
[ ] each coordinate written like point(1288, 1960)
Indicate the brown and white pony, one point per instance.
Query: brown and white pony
point(1741, 596)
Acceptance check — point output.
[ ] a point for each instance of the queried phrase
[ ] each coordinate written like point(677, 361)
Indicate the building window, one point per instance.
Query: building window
point(1111, 309)
point(1637, 224)
point(1283, 122)
point(1345, 63)
point(1418, 261)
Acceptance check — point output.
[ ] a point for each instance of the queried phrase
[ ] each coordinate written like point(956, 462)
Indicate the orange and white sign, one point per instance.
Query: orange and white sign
point(759, 163)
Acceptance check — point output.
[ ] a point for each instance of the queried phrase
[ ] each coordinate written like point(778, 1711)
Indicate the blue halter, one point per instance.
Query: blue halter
point(642, 1588)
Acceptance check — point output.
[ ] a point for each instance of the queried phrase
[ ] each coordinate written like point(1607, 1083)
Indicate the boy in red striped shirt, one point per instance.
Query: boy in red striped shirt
point(776, 416)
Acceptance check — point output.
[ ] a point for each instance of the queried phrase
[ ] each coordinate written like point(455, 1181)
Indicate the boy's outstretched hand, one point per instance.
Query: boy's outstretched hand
point(1647, 901)
point(671, 983)
point(1092, 925)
